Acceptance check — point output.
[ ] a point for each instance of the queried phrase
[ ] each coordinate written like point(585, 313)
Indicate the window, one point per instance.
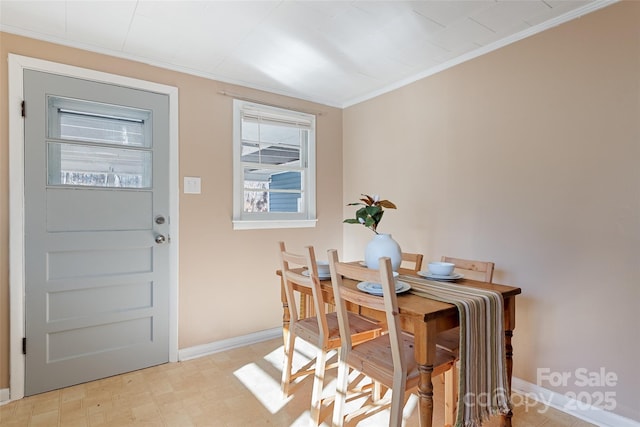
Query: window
point(274, 167)
point(90, 144)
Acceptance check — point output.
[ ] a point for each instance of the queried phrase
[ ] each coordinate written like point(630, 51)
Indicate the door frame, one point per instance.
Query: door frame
point(17, 65)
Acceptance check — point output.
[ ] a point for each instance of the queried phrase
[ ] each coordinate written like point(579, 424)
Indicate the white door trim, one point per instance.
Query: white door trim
point(17, 64)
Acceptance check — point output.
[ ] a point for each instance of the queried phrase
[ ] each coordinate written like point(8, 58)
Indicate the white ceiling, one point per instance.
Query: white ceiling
point(334, 52)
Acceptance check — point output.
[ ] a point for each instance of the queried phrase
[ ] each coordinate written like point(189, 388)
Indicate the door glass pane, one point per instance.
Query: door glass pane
point(78, 120)
point(110, 130)
point(98, 166)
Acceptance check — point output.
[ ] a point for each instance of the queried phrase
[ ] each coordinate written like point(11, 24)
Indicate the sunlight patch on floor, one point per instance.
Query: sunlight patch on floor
point(262, 386)
point(303, 420)
point(275, 357)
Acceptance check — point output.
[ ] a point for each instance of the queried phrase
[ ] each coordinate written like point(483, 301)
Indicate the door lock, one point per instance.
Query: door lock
point(160, 220)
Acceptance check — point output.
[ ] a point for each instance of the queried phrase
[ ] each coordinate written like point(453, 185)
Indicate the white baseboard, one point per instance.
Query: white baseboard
point(4, 396)
point(588, 413)
point(228, 344)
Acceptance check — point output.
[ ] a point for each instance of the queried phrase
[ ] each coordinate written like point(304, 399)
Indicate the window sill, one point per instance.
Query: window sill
point(269, 224)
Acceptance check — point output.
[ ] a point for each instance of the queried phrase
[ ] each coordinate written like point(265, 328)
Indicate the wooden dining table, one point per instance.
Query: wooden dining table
point(424, 318)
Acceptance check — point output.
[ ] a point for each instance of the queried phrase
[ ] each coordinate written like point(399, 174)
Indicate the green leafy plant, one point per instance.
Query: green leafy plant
point(370, 214)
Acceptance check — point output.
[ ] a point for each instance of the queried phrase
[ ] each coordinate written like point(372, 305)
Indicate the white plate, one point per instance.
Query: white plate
point(376, 288)
point(428, 275)
point(320, 275)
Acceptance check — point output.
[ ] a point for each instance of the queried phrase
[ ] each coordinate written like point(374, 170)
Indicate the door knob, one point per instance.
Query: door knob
point(160, 239)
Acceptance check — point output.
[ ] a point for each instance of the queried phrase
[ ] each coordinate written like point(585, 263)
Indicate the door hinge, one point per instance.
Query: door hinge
point(24, 345)
point(22, 107)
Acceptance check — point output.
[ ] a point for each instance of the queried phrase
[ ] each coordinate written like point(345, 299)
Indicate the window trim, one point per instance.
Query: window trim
point(250, 221)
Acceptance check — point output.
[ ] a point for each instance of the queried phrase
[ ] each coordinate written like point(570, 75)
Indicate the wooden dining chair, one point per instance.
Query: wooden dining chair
point(414, 260)
point(388, 359)
point(449, 340)
point(320, 329)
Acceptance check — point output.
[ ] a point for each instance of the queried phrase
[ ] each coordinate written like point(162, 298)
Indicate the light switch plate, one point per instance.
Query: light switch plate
point(191, 185)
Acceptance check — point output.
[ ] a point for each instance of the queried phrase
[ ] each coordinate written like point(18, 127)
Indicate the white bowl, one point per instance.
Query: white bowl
point(441, 268)
point(323, 268)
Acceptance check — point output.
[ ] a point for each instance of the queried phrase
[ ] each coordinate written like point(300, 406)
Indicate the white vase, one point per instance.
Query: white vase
point(382, 245)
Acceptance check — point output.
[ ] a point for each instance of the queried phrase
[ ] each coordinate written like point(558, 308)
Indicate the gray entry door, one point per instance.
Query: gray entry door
point(96, 224)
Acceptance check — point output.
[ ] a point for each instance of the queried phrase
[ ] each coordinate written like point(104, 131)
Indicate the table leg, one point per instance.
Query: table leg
point(509, 325)
point(509, 354)
point(425, 354)
point(506, 419)
point(425, 395)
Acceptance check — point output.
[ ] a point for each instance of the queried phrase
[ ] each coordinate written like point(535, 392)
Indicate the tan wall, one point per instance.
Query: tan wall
point(528, 157)
point(227, 278)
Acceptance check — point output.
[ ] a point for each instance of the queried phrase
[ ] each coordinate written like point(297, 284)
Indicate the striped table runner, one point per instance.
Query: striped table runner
point(483, 384)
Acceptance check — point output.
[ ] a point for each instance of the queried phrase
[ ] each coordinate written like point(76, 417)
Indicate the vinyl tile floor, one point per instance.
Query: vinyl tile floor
point(239, 387)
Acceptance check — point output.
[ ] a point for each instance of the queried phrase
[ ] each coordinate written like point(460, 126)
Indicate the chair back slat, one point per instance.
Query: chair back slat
point(415, 259)
point(485, 267)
